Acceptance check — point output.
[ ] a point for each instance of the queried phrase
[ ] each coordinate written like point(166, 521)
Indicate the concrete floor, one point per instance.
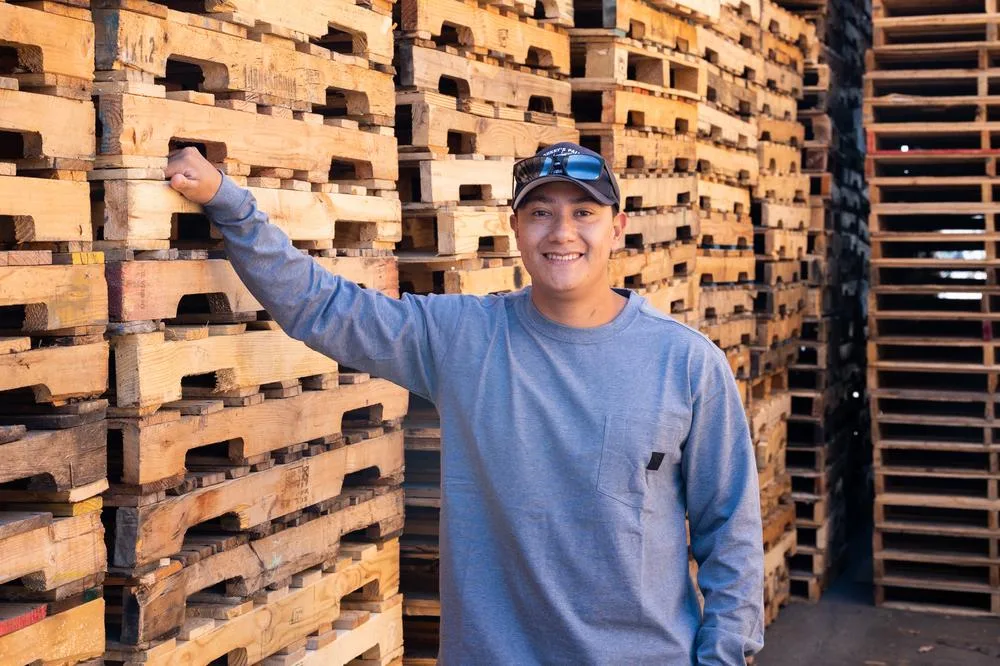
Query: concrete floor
point(845, 629)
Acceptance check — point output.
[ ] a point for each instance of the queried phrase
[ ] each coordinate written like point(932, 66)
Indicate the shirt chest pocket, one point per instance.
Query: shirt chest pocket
point(636, 446)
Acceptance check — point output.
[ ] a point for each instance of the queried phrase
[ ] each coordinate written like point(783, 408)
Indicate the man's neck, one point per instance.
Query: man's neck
point(598, 310)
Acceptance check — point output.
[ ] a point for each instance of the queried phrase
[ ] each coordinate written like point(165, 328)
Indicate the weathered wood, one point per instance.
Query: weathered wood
point(147, 533)
point(458, 230)
point(643, 191)
point(69, 637)
point(54, 553)
point(48, 43)
point(67, 458)
point(781, 243)
point(145, 290)
point(626, 148)
point(155, 604)
point(143, 209)
point(723, 198)
point(46, 210)
point(149, 368)
point(422, 68)
point(526, 40)
point(417, 274)
point(729, 55)
point(268, 627)
point(56, 297)
point(636, 269)
point(379, 640)
point(610, 59)
point(137, 126)
point(717, 228)
point(52, 127)
point(784, 216)
point(721, 127)
point(737, 167)
point(441, 180)
point(725, 267)
point(154, 448)
point(676, 298)
point(56, 373)
point(230, 62)
point(609, 104)
point(649, 227)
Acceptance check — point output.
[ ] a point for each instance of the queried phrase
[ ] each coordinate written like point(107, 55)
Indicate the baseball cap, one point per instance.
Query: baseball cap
point(566, 162)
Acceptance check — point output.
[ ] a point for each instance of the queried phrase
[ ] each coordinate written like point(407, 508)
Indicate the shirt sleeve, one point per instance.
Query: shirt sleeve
point(400, 340)
point(723, 502)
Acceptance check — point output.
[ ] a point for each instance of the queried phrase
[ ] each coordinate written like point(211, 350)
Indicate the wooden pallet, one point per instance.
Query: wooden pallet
point(643, 191)
point(272, 72)
point(676, 297)
point(142, 213)
point(146, 532)
point(138, 130)
point(729, 332)
point(783, 216)
point(156, 603)
point(638, 20)
point(510, 91)
point(57, 373)
point(45, 210)
point(634, 268)
point(653, 226)
point(730, 55)
point(607, 59)
point(451, 179)
point(719, 126)
point(47, 553)
point(424, 274)
point(634, 150)
point(72, 636)
point(723, 198)
point(717, 267)
point(154, 448)
point(152, 290)
point(60, 460)
point(150, 366)
point(722, 230)
point(58, 133)
point(485, 30)
point(724, 300)
point(733, 167)
point(776, 581)
point(781, 301)
point(780, 244)
point(729, 93)
point(775, 104)
point(55, 296)
point(55, 51)
point(314, 600)
point(612, 104)
point(458, 230)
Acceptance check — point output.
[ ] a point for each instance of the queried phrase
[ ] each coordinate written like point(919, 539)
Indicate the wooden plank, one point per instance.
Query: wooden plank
point(379, 638)
point(784, 216)
point(422, 68)
point(155, 604)
point(736, 167)
point(154, 448)
point(725, 267)
point(635, 269)
point(719, 229)
point(55, 553)
point(295, 616)
point(135, 42)
point(730, 55)
point(721, 127)
point(69, 637)
point(68, 458)
point(459, 229)
point(525, 41)
point(781, 244)
point(434, 118)
point(56, 373)
point(46, 210)
point(143, 210)
point(59, 44)
point(147, 533)
point(417, 274)
point(675, 298)
point(137, 126)
point(56, 297)
point(441, 180)
point(723, 198)
point(646, 23)
point(610, 59)
point(650, 226)
point(642, 191)
point(608, 103)
point(626, 148)
point(150, 368)
point(146, 290)
point(52, 127)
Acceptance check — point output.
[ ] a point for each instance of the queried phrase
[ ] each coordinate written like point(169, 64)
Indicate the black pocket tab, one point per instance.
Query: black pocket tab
point(655, 461)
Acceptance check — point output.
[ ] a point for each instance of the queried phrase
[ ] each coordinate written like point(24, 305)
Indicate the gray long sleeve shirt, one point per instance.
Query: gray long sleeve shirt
point(569, 460)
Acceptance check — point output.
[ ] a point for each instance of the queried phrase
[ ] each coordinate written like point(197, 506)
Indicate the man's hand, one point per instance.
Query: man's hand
point(192, 175)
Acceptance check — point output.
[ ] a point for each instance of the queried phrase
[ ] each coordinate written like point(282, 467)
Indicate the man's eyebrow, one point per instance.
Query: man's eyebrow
point(541, 198)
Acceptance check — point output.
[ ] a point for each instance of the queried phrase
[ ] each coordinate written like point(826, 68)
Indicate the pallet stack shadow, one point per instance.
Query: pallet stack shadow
point(480, 85)
point(828, 424)
point(930, 111)
point(53, 356)
point(255, 491)
point(781, 220)
point(637, 80)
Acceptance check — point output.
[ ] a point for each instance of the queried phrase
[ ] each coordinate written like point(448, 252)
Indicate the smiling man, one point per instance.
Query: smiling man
point(579, 425)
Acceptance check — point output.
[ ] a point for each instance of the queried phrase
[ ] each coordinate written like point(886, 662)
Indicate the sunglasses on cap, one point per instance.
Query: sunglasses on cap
point(590, 171)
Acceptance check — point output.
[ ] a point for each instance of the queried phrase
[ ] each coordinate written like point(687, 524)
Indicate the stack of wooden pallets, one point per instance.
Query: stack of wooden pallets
point(827, 426)
point(239, 459)
point(53, 357)
point(636, 81)
point(932, 364)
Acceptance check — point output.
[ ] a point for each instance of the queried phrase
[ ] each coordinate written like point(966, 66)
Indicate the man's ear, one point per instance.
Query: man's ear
point(513, 223)
point(618, 226)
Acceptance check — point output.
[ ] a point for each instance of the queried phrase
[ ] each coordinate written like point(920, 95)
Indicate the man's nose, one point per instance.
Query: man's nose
point(562, 226)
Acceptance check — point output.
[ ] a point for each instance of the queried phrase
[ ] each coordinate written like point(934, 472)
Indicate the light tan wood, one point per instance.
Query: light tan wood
point(729, 55)
point(440, 180)
point(72, 457)
point(231, 62)
point(657, 226)
point(457, 230)
point(652, 265)
point(487, 28)
point(776, 104)
point(59, 44)
point(379, 637)
point(150, 369)
point(657, 191)
point(737, 166)
point(624, 107)
point(624, 62)
point(783, 243)
point(300, 613)
point(779, 158)
point(143, 126)
point(788, 26)
point(723, 198)
point(56, 373)
point(423, 68)
point(702, 11)
point(154, 448)
point(715, 302)
point(726, 267)
point(52, 126)
point(625, 148)
point(782, 216)
point(644, 22)
point(56, 296)
point(721, 127)
point(142, 210)
point(156, 601)
point(672, 297)
point(70, 637)
point(781, 131)
point(433, 120)
point(60, 552)
point(731, 332)
point(775, 331)
point(46, 210)
point(788, 189)
point(718, 228)
point(486, 280)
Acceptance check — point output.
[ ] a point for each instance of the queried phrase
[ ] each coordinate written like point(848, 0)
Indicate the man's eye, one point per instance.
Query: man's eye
point(539, 213)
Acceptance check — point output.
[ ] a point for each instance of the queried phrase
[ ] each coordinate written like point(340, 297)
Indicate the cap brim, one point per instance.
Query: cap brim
point(583, 185)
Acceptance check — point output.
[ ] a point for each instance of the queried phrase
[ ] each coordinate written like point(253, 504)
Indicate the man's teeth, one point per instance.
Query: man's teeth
point(563, 257)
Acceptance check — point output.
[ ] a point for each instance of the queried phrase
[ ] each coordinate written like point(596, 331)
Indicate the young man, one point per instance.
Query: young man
point(579, 427)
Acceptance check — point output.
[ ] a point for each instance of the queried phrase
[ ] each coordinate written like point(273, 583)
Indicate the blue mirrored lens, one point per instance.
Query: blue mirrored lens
point(583, 167)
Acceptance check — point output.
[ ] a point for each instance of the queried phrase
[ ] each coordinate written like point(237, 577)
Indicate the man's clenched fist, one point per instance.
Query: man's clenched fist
point(192, 175)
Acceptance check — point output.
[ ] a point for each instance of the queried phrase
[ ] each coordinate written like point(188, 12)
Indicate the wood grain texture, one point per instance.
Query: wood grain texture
point(55, 373)
point(52, 126)
point(46, 210)
point(68, 458)
point(68, 637)
point(56, 296)
point(58, 44)
point(56, 553)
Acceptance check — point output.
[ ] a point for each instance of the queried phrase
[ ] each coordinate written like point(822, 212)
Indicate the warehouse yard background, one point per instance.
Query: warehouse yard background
point(810, 183)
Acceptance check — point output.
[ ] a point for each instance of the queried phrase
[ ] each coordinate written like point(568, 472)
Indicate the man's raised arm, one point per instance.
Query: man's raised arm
point(401, 340)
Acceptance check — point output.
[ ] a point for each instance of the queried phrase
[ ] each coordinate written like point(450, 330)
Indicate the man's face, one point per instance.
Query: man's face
point(565, 238)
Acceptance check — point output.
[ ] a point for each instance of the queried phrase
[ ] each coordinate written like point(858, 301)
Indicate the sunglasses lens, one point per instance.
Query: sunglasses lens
point(529, 169)
point(583, 167)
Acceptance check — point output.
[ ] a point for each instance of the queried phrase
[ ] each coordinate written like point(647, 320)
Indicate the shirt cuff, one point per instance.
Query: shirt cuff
point(230, 205)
